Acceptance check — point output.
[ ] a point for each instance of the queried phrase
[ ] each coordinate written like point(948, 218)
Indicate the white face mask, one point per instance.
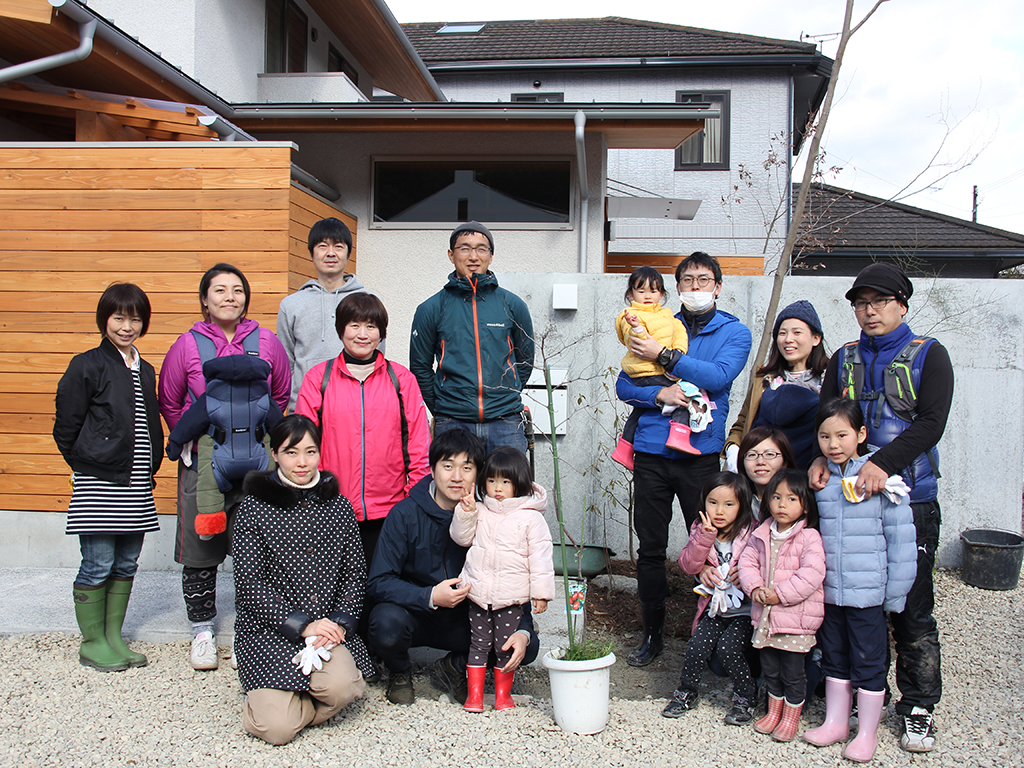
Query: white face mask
point(697, 301)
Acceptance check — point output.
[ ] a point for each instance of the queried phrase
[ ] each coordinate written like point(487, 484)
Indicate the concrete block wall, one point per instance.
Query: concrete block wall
point(980, 322)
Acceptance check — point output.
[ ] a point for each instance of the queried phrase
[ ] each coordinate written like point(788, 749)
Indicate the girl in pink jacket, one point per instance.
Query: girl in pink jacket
point(508, 564)
point(783, 570)
point(722, 623)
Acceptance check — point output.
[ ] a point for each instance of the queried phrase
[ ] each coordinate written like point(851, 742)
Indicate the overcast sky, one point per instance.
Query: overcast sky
point(915, 67)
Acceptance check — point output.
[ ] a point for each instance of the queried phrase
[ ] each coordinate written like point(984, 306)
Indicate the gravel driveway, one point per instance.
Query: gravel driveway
point(55, 712)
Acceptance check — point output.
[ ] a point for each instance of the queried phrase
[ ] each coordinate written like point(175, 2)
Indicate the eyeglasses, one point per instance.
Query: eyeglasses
point(703, 281)
point(465, 250)
point(861, 305)
point(766, 455)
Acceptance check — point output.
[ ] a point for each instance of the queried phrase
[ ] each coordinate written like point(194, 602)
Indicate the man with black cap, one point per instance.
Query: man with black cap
point(471, 348)
point(904, 423)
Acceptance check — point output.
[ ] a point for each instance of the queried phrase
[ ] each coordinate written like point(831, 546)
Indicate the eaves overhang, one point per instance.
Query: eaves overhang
point(646, 126)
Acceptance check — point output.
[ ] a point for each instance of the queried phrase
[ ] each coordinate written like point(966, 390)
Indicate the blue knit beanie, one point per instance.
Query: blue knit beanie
point(799, 310)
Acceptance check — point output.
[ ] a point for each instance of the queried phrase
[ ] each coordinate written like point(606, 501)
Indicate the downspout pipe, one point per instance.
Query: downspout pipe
point(86, 33)
point(580, 120)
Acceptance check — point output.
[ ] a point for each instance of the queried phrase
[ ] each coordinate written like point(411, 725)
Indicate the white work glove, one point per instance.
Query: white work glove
point(732, 455)
point(895, 489)
point(186, 454)
point(310, 658)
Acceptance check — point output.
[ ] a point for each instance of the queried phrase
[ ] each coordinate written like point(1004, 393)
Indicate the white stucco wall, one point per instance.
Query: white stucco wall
point(759, 108)
point(221, 43)
point(981, 323)
point(406, 266)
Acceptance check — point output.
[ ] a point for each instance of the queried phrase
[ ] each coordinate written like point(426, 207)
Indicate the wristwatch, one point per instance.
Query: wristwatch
point(664, 358)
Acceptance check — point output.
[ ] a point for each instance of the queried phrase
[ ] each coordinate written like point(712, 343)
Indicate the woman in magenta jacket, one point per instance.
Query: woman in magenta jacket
point(362, 407)
point(224, 299)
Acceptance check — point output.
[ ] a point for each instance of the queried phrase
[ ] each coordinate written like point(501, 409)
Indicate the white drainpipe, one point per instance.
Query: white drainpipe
point(580, 120)
point(86, 31)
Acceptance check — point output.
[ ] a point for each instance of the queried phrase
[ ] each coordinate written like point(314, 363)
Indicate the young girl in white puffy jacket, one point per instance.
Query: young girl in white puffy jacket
point(508, 564)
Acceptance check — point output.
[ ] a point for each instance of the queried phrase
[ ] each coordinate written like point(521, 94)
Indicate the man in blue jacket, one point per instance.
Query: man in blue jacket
point(414, 577)
point(719, 346)
point(905, 435)
point(471, 348)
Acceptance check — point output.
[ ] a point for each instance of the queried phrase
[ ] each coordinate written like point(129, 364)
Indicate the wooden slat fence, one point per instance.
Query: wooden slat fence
point(75, 218)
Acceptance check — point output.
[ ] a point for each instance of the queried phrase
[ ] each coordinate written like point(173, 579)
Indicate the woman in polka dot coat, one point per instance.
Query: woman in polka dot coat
point(300, 579)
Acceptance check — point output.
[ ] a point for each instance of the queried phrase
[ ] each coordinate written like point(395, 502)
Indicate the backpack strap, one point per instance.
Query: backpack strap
point(251, 344)
point(405, 422)
point(207, 351)
point(323, 389)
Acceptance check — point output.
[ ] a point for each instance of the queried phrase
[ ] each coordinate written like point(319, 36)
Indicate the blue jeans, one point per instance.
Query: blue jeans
point(108, 554)
point(508, 430)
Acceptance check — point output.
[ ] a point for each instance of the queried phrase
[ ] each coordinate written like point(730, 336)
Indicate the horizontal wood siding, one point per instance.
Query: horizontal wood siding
point(75, 219)
point(305, 210)
point(625, 263)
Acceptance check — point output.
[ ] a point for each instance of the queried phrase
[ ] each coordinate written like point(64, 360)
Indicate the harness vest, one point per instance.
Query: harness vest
point(892, 408)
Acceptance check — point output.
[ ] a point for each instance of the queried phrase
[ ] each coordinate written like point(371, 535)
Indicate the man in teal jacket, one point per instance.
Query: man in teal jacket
point(471, 348)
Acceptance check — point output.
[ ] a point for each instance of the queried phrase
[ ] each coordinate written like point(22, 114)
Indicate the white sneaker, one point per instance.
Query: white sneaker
point(234, 659)
point(918, 731)
point(204, 651)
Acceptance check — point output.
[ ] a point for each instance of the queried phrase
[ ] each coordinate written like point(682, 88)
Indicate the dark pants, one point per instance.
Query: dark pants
point(369, 532)
point(853, 645)
point(918, 661)
point(496, 433)
point(394, 630)
point(489, 630)
point(729, 638)
point(785, 674)
point(659, 480)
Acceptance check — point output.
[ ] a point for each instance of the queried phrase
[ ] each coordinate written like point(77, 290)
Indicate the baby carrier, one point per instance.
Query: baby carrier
point(236, 411)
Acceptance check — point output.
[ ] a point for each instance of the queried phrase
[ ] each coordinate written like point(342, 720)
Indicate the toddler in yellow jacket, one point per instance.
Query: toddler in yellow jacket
point(645, 316)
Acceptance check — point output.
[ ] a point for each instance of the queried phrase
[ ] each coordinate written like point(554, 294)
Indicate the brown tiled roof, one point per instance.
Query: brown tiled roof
point(848, 220)
point(610, 37)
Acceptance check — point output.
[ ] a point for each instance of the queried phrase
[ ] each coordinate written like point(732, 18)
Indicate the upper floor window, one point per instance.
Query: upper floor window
point(538, 98)
point(338, 63)
point(708, 149)
point(287, 33)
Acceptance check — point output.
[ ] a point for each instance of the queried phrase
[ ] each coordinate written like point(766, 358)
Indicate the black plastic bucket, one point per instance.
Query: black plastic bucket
point(991, 559)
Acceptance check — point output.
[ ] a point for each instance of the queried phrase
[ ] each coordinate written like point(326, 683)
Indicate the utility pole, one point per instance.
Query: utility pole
point(974, 206)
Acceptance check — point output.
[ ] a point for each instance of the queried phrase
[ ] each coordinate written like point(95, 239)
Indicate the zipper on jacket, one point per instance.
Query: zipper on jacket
point(362, 448)
point(479, 366)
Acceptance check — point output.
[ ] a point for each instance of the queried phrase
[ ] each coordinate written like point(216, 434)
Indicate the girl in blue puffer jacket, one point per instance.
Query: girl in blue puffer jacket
point(870, 565)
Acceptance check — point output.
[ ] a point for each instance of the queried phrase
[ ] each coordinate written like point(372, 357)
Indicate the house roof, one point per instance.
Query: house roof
point(844, 221)
point(615, 42)
point(610, 37)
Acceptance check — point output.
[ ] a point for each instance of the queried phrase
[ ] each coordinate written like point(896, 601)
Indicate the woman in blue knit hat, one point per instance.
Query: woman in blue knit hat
point(787, 397)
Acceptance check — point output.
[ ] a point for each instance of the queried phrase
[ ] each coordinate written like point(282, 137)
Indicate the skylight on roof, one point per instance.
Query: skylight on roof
point(460, 29)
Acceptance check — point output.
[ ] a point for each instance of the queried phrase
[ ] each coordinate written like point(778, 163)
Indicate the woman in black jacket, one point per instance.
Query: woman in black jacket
point(107, 427)
point(300, 579)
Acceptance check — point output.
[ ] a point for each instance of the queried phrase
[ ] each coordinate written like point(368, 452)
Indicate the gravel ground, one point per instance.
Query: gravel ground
point(55, 712)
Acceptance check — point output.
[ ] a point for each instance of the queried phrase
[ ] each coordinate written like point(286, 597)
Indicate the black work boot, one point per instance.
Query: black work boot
point(654, 643)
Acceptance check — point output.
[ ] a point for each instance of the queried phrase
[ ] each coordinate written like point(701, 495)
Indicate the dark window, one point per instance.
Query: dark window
point(338, 63)
point(533, 191)
point(287, 33)
point(709, 149)
point(538, 98)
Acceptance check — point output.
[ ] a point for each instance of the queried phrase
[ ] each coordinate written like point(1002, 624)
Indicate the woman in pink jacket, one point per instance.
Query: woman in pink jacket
point(508, 564)
point(224, 299)
point(783, 570)
point(376, 435)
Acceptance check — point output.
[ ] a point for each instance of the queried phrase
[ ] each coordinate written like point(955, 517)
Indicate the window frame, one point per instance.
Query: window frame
point(545, 97)
point(681, 97)
point(276, 47)
point(498, 225)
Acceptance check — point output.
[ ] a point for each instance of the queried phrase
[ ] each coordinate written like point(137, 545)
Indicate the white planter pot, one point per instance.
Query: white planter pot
point(579, 692)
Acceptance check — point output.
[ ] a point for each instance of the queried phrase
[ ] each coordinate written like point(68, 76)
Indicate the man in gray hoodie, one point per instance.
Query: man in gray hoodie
point(305, 321)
